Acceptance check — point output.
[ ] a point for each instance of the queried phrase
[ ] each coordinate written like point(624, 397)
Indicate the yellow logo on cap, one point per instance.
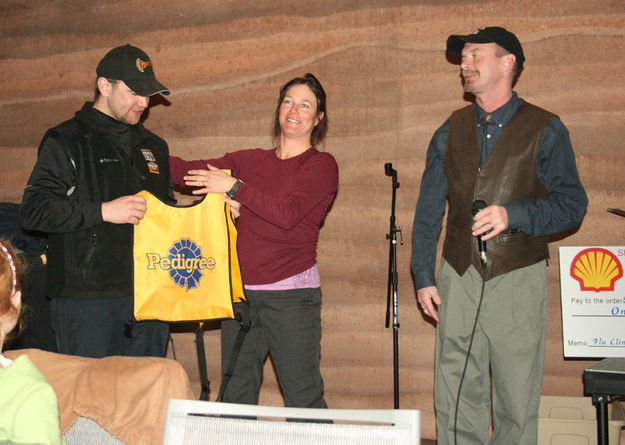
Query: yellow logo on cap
point(141, 65)
point(596, 269)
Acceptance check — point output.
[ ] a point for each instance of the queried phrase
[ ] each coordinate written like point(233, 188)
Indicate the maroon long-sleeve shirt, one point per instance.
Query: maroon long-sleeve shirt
point(283, 203)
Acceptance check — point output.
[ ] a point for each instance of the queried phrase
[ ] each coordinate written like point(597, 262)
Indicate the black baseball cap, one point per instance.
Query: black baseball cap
point(492, 34)
point(134, 67)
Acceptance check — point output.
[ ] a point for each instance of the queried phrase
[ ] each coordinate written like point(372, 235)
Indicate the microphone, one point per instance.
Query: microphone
point(481, 245)
point(388, 169)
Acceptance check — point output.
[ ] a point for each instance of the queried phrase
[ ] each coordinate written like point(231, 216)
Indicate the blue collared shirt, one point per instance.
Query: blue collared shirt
point(562, 209)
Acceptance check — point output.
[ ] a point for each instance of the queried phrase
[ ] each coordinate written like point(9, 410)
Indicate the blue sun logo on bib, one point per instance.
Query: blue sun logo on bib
point(187, 263)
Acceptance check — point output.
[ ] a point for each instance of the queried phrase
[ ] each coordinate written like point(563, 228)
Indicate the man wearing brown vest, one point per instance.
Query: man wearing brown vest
point(508, 170)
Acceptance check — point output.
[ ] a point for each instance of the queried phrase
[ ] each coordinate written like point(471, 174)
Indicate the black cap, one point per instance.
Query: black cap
point(134, 67)
point(492, 34)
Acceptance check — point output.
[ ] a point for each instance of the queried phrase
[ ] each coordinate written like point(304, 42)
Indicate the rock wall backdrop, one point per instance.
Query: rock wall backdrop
point(389, 87)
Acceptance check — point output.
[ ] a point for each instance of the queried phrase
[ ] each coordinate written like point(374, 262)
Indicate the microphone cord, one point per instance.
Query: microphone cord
point(466, 361)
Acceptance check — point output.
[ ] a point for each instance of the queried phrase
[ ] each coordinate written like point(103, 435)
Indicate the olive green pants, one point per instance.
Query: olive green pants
point(286, 324)
point(505, 368)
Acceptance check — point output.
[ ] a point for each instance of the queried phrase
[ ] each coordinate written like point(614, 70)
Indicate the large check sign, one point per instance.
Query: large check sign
point(593, 301)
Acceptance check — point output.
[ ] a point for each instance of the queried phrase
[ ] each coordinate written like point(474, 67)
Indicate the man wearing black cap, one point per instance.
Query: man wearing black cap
point(508, 170)
point(82, 193)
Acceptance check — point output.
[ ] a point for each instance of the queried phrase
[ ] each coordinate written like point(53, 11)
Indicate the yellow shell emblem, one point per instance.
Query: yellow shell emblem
point(142, 64)
point(596, 269)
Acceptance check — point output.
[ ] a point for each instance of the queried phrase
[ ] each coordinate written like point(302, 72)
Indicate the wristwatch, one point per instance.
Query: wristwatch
point(232, 193)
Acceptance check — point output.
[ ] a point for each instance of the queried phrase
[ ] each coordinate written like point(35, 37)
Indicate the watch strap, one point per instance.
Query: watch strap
point(232, 193)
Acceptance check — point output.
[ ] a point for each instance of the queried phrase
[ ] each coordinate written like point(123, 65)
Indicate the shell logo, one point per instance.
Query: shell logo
point(596, 269)
point(142, 65)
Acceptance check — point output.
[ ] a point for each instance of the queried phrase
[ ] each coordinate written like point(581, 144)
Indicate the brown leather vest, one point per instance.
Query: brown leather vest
point(509, 174)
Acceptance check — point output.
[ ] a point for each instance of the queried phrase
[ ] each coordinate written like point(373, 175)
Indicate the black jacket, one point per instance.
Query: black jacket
point(81, 164)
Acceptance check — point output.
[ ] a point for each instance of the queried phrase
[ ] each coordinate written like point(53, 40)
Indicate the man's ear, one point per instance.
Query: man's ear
point(508, 60)
point(104, 86)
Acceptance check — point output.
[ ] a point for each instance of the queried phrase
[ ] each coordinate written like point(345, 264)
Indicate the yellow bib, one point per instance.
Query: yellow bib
point(186, 266)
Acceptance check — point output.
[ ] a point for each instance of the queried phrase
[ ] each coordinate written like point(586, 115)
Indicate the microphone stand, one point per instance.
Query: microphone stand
point(392, 284)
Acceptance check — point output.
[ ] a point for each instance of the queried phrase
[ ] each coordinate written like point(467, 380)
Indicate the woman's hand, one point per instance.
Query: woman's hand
point(235, 206)
point(212, 180)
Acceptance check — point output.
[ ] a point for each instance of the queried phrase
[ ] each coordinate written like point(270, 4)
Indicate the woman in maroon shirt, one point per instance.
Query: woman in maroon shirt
point(282, 195)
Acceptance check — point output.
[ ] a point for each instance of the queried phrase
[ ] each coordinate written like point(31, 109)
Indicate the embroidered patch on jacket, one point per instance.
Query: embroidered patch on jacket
point(151, 160)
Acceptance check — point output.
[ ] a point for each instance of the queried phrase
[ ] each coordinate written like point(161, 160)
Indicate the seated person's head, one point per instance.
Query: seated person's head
point(10, 291)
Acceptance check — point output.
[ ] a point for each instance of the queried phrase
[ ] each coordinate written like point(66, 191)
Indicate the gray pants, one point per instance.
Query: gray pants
point(286, 324)
point(506, 360)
